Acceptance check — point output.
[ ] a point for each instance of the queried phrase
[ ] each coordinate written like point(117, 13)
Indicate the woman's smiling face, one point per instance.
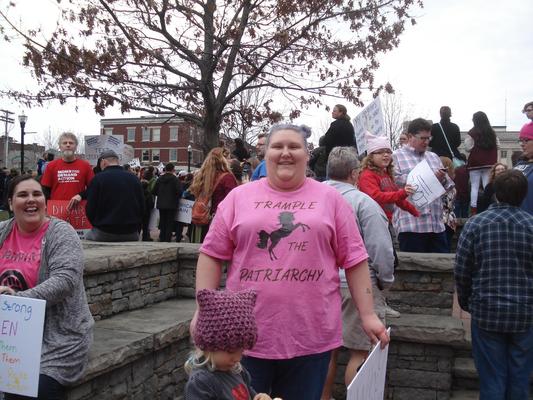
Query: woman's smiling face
point(28, 205)
point(286, 160)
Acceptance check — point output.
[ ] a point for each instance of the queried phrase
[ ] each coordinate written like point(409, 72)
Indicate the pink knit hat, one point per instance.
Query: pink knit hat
point(374, 143)
point(226, 320)
point(527, 131)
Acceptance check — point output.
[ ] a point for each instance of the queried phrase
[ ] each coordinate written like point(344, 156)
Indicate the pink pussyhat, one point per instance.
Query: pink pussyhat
point(226, 320)
point(375, 143)
point(527, 131)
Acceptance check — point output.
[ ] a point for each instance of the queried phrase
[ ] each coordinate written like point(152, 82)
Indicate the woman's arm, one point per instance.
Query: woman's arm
point(358, 279)
point(208, 275)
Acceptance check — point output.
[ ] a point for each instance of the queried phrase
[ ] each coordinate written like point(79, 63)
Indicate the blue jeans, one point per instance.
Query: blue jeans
point(292, 379)
point(462, 209)
point(427, 242)
point(504, 362)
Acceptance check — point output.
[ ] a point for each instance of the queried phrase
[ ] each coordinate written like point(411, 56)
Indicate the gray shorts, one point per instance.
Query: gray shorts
point(353, 335)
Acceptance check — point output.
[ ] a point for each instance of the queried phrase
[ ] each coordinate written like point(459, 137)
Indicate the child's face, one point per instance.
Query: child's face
point(225, 361)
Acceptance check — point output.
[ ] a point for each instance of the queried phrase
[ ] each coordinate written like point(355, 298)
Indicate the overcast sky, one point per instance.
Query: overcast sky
point(470, 55)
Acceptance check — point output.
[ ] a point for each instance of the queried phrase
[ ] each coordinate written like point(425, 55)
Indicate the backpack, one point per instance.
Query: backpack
point(201, 209)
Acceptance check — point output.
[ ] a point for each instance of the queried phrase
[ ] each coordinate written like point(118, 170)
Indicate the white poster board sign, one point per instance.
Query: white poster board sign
point(135, 163)
point(184, 213)
point(427, 186)
point(369, 383)
point(127, 153)
point(95, 145)
point(371, 120)
point(21, 337)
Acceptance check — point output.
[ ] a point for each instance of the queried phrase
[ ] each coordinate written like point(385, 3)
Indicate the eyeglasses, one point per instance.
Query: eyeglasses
point(382, 152)
point(523, 141)
point(423, 138)
point(528, 110)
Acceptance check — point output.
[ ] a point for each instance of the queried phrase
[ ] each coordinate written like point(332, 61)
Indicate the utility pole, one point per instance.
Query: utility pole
point(5, 117)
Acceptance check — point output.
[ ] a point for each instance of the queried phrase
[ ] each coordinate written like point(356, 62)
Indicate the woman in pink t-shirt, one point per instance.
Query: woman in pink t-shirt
point(285, 237)
point(42, 258)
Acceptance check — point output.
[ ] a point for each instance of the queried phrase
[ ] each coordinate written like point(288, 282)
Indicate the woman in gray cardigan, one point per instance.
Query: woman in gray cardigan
point(42, 258)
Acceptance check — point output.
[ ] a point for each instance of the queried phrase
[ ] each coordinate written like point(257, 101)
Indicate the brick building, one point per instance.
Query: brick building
point(158, 138)
point(32, 153)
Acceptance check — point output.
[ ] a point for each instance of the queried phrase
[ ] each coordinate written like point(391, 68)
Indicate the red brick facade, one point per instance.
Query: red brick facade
point(158, 139)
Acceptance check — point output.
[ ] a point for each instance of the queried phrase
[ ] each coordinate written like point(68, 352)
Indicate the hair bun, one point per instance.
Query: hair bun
point(306, 130)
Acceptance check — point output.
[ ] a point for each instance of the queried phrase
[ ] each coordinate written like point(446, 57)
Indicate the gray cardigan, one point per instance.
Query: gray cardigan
point(68, 324)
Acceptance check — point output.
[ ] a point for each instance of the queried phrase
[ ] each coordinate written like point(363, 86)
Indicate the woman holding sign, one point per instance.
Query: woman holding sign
point(286, 237)
point(42, 258)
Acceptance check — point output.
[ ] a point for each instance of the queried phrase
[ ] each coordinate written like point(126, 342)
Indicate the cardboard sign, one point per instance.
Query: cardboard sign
point(95, 145)
point(369, 383)
point(75, 217)
point(427, 186)
point(184, 213)
point(371, 120)
point(21, 337)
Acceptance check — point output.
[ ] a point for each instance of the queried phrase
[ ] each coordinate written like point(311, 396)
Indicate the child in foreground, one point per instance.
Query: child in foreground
point(225, 327)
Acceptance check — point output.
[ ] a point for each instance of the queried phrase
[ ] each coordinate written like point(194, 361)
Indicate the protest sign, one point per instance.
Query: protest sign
point(127, 153)
point(75, 217)
point(135, 163)
point(21, 337)
point(427, 186)
point(184, 213)
point(371, 120)
point(369, 383)
point(95, 145)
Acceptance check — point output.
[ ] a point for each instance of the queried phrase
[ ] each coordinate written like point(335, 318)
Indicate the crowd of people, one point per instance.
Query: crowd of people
point(309, 241)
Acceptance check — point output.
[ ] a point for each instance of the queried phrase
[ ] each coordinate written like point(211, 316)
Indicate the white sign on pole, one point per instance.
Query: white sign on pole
point(369, 383)
point(95, 145)
point(371, 120)
point(21, 337)
point(427, 186)
point(184, 213)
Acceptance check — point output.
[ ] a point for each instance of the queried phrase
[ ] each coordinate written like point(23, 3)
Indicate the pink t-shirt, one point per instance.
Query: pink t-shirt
point(20, 258)
point(287, 246)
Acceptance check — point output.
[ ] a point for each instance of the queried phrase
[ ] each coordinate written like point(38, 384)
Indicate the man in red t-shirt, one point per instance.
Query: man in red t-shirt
point(67, 178)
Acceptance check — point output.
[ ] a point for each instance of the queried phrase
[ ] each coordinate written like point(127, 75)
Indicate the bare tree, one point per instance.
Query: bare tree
point(395, 114)
point(193, 58)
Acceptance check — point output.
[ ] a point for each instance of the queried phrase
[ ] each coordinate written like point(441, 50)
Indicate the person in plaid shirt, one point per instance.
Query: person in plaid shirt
point(494, 280)
point(426, 233)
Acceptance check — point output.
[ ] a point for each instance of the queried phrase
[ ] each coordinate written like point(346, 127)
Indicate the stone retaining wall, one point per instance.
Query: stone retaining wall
point(159, 375)
point(423, 284)
point(126, 276)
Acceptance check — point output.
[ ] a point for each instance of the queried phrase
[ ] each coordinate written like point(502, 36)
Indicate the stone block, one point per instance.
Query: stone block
point(420, 379)
point(120, 305)
point(399, 393)
point(130, 284)
point(135, 300)
point(116, 294)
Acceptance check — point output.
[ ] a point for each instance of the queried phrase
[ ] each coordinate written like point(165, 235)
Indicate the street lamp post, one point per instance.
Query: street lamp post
point(22, 119)
point(189, 156)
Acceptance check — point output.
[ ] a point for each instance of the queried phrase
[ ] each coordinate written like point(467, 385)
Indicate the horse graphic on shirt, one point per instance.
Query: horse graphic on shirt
point(286, 220)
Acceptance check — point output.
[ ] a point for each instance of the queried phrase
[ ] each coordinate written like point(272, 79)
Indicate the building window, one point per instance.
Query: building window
point(146, 155)
point(155, 155)
point(156, 134)
point(173, 134)
point(173, 155)
point(131, 135)
point(108, 131)
point(504, 153)
point(146, 134)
